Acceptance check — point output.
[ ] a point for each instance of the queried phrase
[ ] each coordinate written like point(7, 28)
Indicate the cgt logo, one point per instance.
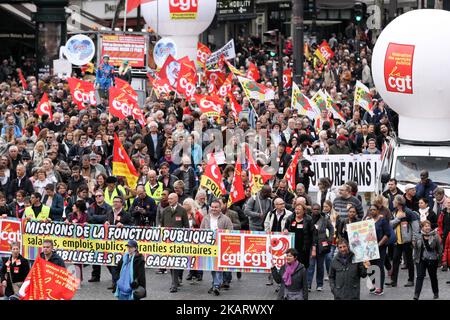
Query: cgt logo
point(207, 104)
point(183, 5)
point(86, 97)
point(123, 107)
point(202, 56)
point(398, 64)
point(9, 232)
point(188, 87)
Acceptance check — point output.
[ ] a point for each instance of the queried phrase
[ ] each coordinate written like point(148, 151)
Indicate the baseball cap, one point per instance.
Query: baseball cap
point(132, 243)
point(92, 155)
point(341, 137)
point(409, 186)
point(105, 56)
point(125, 62)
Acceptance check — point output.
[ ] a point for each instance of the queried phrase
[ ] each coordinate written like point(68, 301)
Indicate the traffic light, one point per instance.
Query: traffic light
point(359, 11)
point(272, 43)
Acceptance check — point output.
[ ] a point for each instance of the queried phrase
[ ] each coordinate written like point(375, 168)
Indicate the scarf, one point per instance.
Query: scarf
point(287, 276)
point(424, 213)
point(126, 277)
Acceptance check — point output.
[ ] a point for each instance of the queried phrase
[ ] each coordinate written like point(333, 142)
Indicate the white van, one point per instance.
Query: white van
point(404, 161)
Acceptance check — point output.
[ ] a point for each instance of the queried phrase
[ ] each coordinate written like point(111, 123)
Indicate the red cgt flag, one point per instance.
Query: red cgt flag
point(122, 105)
point(125, 86)
point(287, 78)
point(186, 79)
point(236, 108)
point(257, 176)
point(252, 72)
point(212, 105)
point(292, 170)
point(216, 77)
point(225, 89)
point(82, 92)
point(237, 192)
point(47, 281)
point(203, 53)
point(212, 178)
point(44, 107)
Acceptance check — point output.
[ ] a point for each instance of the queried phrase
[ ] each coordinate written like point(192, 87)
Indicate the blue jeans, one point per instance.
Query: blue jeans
point(318, 260)
point(217, 278)
point(227, 277)
point(329, 257)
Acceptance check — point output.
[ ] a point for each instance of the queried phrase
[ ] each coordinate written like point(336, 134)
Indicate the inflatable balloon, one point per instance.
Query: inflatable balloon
point(410, 66)
point(181, 20)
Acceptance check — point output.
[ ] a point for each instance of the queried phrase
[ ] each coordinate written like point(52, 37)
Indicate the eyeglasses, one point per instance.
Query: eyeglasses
point(98, 195)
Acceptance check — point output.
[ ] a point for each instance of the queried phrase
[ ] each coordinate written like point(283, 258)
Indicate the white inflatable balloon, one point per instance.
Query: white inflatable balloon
point(181, 20)
point(410, 66)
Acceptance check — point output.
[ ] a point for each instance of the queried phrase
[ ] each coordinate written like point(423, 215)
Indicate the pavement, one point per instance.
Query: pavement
point(251, 286)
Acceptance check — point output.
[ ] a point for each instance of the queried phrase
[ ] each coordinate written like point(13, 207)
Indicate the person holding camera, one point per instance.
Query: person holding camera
point(143, 209)
point(131, 274)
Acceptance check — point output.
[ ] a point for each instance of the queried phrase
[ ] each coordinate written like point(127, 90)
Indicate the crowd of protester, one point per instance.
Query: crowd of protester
point(60, 170)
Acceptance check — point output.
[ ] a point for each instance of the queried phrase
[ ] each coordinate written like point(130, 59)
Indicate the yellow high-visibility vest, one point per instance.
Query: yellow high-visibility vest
point(109, 199)
point(43, 215)
point(157, 195)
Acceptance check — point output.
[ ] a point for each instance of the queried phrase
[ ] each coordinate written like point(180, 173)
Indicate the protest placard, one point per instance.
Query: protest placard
point(362, 238)
point(227, 50)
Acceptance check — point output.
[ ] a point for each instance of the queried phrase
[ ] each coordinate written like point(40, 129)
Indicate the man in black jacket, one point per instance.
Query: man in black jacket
point(143, 208)
point(50, 255)
point(98, 213)
point(283, 160)
point(154, 142)
point(344, 275)
point(117, 217)
point(165, 177)
point(391, 192)
point(186, 174)
point(20, 183)
point(174, 216)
